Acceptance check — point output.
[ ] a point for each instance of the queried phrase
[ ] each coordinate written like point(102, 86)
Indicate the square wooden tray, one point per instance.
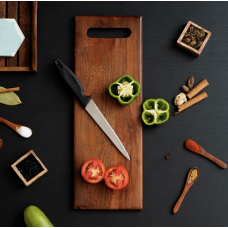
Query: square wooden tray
point(186, 46)
point(14, 167)
point(25, 13)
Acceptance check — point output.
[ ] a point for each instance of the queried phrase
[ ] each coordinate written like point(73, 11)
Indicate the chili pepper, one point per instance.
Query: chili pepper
point(125, 89)
point(155, 111)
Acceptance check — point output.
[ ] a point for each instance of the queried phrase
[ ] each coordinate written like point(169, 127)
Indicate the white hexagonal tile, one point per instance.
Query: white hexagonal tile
point(11, 37)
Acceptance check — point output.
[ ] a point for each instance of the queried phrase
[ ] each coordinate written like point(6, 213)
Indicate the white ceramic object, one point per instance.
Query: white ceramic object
point(11, 37)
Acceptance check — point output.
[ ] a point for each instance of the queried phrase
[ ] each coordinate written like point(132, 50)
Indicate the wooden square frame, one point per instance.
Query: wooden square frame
point(186, 46)
point(25, 13)
point(27, 183)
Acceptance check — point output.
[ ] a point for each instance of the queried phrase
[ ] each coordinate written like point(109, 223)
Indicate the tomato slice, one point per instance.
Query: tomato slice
point(116, 177)
point(93, 171)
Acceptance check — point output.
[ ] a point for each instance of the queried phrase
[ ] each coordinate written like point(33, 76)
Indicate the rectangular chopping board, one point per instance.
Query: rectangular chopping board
point(98, 63)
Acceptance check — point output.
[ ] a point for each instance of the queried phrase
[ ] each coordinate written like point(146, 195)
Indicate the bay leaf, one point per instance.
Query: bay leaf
point(202, 32)
point(10, 98)
point(192, 43)
point(186, 40)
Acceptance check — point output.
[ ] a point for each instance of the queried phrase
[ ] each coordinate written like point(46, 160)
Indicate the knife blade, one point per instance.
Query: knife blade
point(89, 105)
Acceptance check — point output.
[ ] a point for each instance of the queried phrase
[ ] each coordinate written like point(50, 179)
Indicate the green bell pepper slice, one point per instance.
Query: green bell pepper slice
point(155, 111)
point(125, 89)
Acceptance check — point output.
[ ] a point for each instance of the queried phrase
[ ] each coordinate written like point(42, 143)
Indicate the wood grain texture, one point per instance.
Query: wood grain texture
point(2, 15)
point(15, 69)
point(24, 23)
point(34, 35)
point(25, 59)
point(99, 62)
point(12, 12)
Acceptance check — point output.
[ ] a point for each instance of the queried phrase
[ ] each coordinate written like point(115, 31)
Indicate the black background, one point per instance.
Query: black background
point(48, 109)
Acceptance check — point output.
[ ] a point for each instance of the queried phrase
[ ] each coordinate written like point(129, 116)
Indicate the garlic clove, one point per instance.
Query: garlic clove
point(180, 99)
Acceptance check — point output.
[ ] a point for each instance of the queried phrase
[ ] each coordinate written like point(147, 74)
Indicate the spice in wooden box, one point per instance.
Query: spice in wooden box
point(193, 38)
point(29, 168)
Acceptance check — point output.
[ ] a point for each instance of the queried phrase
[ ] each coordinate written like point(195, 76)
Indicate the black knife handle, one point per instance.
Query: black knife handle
point(73, 82)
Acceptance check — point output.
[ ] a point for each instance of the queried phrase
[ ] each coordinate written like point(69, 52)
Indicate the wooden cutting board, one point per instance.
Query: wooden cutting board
point(99, 62)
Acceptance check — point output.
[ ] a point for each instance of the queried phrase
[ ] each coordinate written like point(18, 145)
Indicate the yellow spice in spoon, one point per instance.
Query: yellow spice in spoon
point(193, 175)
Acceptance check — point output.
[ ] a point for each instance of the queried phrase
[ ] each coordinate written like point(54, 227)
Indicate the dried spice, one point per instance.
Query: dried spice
point(10, 98)
point(168, 155)
point(191, 102)
point(1, 143)
point(194, 37)
point(193, 146)
point(193, 175)
point(185, 89)
point(204, 83)
point(29, 167)
point(180, 99)
point(190, 82)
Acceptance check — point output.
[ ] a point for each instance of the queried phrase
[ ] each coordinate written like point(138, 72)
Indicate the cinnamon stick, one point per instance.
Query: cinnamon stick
point(191, 102)
point(10, 90)
point(197, 88)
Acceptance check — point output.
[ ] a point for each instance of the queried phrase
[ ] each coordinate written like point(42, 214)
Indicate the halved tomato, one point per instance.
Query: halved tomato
point(116, 177)
point(93, 171)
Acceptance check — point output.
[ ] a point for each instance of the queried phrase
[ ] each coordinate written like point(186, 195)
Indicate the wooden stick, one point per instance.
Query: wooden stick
point(34, 36)
point(2, 15)
point(197, 88)
point(24, 22)
point(191, 102)
point(10, 90)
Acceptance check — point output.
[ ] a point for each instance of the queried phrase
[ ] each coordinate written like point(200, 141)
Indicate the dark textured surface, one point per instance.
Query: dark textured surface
point(48, 109)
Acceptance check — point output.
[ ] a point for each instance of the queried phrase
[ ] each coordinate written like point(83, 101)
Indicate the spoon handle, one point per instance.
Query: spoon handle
point(212, 158)
point(180, 200)
point(12, 125)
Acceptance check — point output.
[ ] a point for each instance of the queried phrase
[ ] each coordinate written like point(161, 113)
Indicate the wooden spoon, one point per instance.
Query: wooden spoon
point(17, 128)
point(206, 154)
point(188, 185)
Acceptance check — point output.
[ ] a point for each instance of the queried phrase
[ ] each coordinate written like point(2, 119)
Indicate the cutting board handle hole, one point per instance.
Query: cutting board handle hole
point(108, 32)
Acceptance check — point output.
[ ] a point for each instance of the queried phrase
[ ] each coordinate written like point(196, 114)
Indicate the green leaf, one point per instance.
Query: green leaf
point(202, 32)
point(9, 98)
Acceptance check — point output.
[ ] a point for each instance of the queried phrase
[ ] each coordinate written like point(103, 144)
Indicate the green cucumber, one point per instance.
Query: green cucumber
point(34, 217)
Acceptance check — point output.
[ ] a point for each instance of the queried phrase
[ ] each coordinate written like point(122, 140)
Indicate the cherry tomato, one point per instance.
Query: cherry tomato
point(93, 171)
point(116, 177)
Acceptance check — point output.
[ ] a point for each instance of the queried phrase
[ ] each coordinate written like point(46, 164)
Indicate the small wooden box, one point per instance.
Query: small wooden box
point(25, 13)
point(186, 46)
point(14, 166)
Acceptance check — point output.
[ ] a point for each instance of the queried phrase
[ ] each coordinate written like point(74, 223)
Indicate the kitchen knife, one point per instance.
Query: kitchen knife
point(89, 105)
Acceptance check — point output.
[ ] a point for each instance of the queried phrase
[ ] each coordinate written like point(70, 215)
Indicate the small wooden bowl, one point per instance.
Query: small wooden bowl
point(189, 48)
point(14, 166)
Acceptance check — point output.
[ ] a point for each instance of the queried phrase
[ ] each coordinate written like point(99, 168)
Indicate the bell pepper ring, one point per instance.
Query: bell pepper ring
point(125, 89)
point(155, 111)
